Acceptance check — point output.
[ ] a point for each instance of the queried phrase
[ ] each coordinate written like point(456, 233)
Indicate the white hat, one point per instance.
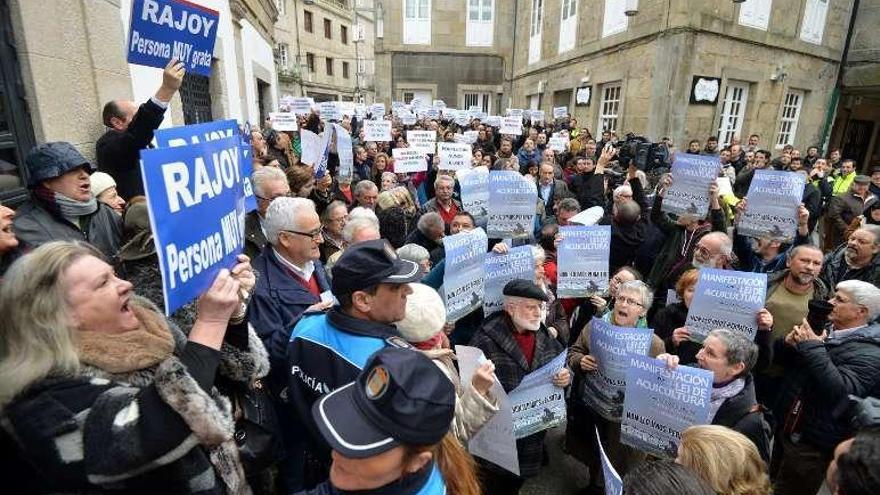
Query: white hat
point(425, 314)
point(100, 182)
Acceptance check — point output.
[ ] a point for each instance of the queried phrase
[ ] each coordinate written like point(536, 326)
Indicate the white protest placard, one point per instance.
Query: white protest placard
point(471, 137)
point(438, 104)
point(330, 111)
point(346, 108)
point(407, 118)
point(432, 113)
point(300, 106)
point(514, 112)
point(409, 160)
point(558, 144)
point(537, 403)
point(454, 156)
point(494, 442)
point(511, 125)
point(360, 111)
point(493, 120)
point(377, 130)
point(537, 116)
point(424, 141)
point(560, 112)
point(312, 147)
point(725, 188)
point(377, 110)
point(344, 151)
point(462, 118)
point(283, 121)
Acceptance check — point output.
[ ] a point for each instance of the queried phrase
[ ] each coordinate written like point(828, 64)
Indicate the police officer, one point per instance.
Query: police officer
point(328, 350)
point(389, 431)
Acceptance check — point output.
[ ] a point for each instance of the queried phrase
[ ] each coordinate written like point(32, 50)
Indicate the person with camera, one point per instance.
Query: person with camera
point(823, 367)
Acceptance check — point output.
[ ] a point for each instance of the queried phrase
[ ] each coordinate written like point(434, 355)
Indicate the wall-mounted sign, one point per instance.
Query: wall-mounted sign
point(704, 90)
point(582, 97)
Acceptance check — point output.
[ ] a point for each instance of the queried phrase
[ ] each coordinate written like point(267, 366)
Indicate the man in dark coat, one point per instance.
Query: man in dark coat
point(824, 368)
point(61, 205)
point(518, 343)
point(130, 129)
point(269, 183)
point(857, 259)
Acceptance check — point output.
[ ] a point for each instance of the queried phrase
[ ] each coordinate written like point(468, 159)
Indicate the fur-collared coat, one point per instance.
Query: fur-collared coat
point(154, 430)
point(495, 339)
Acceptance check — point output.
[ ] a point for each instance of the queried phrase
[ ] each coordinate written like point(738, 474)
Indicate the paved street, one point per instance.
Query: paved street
point(564, 475)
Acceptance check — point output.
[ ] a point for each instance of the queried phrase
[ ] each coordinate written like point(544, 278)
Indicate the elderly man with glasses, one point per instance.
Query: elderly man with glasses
point(269, 183)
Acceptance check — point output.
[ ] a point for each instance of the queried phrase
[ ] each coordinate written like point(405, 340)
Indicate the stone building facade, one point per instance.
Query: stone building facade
point(61, 61)
point(455, 51)
point(772, 62)
point(857, 124)
point(324, 49)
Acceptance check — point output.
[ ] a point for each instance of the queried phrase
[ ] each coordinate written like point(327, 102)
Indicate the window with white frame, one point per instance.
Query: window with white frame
point(535, 30)
point(283, 55)
point(609, 109)
point(279, 5)
point(813, 27)
point(535, 102)
point(755, 13)
point(568, 25)
point(480, 22)
point(478, 100)
point(614, 20)
point(733, 112)
point(417, 22)
point(788, 118)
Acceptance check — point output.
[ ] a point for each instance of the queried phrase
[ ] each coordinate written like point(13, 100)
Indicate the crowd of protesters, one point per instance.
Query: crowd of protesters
point(331, 328)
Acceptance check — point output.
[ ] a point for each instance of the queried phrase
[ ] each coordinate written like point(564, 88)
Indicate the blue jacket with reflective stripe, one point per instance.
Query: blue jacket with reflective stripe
point(325, 352)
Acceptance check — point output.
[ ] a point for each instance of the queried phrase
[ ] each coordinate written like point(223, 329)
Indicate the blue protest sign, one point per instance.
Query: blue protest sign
point(475, 193)
point(726, 299)
point(512, 203)
point(773, 200)
point(583, 260)
point(691, 177)
point(212, 131)
point(605, 388)
point(164, 29)
point(463, 278)
point(613, 483)
point(660, 403)
point(195, 195)
point(518, 263)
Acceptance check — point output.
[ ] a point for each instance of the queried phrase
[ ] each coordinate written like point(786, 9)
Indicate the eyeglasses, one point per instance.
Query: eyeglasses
point(341, 219)
point(628, 301)
point(284, 195)
point(316, 235)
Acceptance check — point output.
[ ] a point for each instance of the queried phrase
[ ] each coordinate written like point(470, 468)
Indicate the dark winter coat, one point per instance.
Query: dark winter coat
point(666, 320)
point(254, 238)
point(496, 341)
point(741, 413)
point(835, 269)
point(589, 189)
point(119, 153)
point(35, 225)
point(278, 301)
point(822, 375)
point(158, 430)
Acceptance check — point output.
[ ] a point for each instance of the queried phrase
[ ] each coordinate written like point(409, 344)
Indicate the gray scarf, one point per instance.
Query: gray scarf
point(71, 208)
point(721, 394)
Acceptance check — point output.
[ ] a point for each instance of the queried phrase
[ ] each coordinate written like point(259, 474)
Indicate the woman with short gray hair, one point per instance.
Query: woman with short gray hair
point(731, 356)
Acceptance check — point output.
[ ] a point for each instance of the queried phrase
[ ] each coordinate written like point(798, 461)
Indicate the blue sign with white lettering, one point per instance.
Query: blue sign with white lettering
point(212, 131)
point(195, 195)
point(164, 29)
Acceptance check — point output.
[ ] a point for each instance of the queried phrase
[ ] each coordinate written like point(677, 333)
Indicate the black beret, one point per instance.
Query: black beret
point(524, 288)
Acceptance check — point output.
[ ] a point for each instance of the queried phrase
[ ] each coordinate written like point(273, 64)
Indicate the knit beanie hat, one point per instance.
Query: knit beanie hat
point(425, 314)
point(100, 182)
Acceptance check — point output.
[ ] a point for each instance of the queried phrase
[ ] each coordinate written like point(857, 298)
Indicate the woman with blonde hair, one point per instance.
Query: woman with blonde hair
point(725, 459)
point(102, 392)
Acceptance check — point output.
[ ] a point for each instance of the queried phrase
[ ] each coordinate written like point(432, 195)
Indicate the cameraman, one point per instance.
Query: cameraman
point(821, 372)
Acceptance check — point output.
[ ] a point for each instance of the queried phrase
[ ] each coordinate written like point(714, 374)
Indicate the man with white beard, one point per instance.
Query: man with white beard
point(518, 342)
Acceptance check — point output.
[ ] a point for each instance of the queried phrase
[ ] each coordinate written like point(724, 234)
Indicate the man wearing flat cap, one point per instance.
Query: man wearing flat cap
point(61, 205)
point(518, 342)
point(328, 350)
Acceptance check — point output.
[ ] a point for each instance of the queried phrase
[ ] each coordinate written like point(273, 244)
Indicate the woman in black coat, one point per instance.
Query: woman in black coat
point(731, 356)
